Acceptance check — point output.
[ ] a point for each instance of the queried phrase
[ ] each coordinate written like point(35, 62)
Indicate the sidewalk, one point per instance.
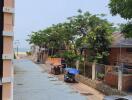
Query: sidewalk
point(90, 93)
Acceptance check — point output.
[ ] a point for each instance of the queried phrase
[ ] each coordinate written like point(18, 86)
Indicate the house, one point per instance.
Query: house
point(120, 53)
point(121, 50)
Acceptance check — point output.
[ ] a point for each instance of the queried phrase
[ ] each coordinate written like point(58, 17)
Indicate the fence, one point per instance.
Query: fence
point(113, 76)
point(93, 70)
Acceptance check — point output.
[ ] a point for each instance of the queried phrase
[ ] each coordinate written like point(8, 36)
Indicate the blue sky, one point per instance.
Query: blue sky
point(32, 15)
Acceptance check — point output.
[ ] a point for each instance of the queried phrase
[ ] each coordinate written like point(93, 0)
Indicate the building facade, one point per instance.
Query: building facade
point(6, 49)
point(121, 55)
point(121, 50)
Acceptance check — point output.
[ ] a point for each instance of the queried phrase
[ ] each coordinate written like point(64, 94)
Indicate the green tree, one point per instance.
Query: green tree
point(127, 30)
point(83, 29)
point(38, 38)
point(121, 7)
point(99, 42)
point(124, 9)
point(93, 33)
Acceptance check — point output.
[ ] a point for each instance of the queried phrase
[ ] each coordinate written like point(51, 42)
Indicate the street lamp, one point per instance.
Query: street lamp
point(17, 44)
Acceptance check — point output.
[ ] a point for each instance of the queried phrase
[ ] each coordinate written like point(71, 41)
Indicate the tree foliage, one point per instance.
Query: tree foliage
point(121, 7)
point(127, 30)
point(78, 31)
point(124, 9)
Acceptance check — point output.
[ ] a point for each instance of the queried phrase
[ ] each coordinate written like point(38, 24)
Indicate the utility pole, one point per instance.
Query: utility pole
point(120, 69)
point(17, 48)
point(120, 73)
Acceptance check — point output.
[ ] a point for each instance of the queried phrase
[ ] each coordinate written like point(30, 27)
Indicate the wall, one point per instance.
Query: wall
point(8, 24)
point(111, 79)
point(114, 56)
point(100, 86)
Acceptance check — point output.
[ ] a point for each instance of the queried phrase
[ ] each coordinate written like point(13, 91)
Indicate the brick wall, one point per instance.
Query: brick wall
point(100, 86)
point(114, 56)
point(111, 79)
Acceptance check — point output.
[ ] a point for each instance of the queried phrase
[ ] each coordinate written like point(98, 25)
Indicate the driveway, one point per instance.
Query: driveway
point(32, 83)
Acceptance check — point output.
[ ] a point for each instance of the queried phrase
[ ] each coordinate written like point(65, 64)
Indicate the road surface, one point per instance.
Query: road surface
point(90, 93)
point(32, 83)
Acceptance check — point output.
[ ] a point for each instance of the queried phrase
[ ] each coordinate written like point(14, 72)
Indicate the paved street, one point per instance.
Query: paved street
point(89, 92)
point(32, 83)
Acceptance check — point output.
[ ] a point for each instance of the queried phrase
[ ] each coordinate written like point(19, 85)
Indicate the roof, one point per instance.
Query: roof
point(120, 41)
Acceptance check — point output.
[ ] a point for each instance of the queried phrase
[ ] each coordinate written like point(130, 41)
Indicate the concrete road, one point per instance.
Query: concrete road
point(32, 83)
point(87, 91)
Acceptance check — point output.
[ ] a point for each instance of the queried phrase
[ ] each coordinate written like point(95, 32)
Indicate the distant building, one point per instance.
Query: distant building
point(6, 49)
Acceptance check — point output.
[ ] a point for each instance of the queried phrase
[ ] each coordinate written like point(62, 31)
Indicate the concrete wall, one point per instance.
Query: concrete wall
point(8, 22)
point(9, 3)
point(8, 45)
point(7, 91)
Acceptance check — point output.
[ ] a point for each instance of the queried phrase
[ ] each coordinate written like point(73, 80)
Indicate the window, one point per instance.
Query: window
point(129, 50)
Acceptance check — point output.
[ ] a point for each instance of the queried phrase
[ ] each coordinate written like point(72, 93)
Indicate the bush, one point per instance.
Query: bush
point(100, 76)
point(29, 53)
point(70, 57)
